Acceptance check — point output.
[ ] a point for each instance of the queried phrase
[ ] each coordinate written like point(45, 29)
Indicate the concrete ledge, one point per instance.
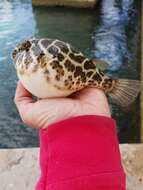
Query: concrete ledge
point(67, 3)
point(19, 167)
point(132, 159)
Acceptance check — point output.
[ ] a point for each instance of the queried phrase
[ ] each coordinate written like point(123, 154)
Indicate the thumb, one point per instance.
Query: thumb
point(23, 100)
point(22, 96)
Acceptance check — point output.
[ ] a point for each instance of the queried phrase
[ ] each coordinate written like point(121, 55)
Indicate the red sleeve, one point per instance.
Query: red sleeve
point(81, 153)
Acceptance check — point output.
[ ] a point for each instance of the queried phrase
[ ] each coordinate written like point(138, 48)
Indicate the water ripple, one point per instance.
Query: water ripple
point(111, 38)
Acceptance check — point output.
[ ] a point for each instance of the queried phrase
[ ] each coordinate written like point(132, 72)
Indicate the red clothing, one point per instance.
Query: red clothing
point(81, 153)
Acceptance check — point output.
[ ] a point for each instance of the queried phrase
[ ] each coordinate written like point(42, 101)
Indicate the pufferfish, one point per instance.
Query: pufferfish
point(50, 68)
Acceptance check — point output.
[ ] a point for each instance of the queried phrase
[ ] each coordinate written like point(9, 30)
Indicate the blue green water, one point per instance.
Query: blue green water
point(88, 30)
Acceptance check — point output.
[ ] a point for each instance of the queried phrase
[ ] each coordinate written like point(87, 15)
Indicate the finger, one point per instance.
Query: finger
point(22, 97)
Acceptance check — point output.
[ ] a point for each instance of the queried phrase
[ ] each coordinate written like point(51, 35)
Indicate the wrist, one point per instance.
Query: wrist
point(92, 109)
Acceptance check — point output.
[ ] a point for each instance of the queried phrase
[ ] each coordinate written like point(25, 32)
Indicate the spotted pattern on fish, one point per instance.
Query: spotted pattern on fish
point(36, 50)
point(69, 65)
point(89, 65)
point(88, 74)
point(60, 57)
point(63, 47)
point(53, 50)
point(77, 58)
point(25, 46)
point(46, 42)
point(97, 77)
point(61, 64)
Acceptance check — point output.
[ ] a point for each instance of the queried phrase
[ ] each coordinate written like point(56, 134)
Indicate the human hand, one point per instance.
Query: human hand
point(42, 113)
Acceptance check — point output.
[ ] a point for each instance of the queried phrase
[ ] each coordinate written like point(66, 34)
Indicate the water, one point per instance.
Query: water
point(116, 41)
point(18, 21)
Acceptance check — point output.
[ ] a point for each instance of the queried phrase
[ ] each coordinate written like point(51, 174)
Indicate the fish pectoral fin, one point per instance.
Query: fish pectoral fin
point(100, 64)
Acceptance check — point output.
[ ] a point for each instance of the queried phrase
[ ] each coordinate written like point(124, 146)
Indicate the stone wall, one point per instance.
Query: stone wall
point(68, 3)
point(19, 168)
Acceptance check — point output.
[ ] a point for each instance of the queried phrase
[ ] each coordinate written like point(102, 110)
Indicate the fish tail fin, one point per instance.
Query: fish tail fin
point(125, 91)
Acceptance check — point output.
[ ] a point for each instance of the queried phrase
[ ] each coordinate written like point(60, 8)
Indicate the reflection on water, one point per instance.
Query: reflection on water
point(111, 35)
point(116, 38)
point(115, 28)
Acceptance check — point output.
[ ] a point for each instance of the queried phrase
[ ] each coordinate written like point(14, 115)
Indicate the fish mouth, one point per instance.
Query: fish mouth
point(14, 53)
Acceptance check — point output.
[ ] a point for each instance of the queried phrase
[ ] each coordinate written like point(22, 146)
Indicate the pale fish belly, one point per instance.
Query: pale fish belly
point(37, 85)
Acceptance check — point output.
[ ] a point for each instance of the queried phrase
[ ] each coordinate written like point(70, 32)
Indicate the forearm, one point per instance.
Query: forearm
point(81, 151)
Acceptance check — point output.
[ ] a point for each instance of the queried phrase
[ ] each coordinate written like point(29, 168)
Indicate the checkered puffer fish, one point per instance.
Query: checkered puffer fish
point(52, 68)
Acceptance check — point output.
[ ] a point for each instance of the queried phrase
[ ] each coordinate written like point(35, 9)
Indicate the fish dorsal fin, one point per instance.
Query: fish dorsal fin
point(101, 64)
